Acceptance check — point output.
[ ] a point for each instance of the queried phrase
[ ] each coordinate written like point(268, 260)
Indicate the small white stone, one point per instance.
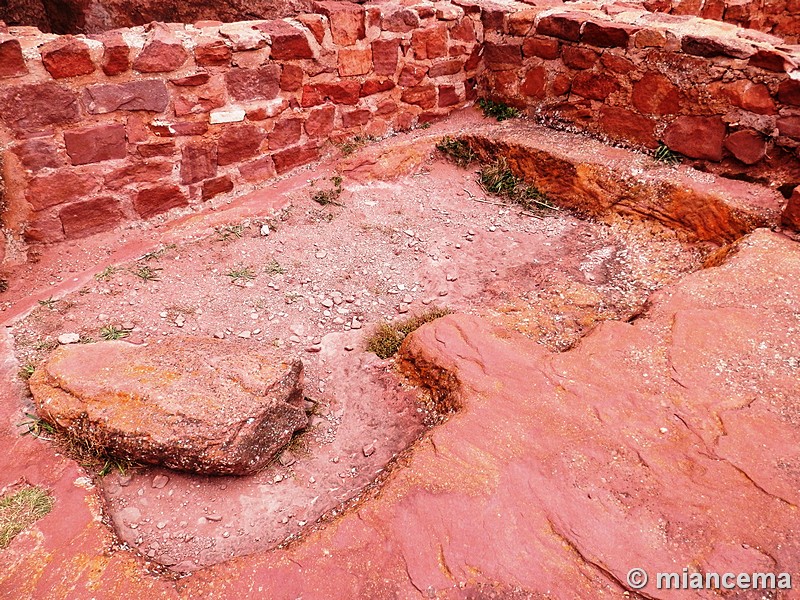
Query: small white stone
point(69, 338)
point(265, 230)
point(226, 115)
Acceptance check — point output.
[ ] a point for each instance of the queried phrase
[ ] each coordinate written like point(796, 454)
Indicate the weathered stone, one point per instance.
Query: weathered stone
point(747, 145)
point(267, 110)
point(286, 133)
point(163, 128)
point(44, 228)
point(595, 86)
point(655, 94)
point(290, 158)
point(447, 67)
point(789, 92)
point(521, 22)
point(710, 47)
point(116, 55)
point(346, 19)
point(292, 78)
point(38, 154)
point(696, 137)
point(192, 404)
point(626, 125)
point(463, 31)
point(354, 62)
point(412, 75)
point(67, 57)
point(355, 118)
point(576, 57)
point(12, 63)
point(449, 96)
point(791, 213)
point(58, 188)
point(212, 53)
point(400, 21)
point(254, 84)
point(27, 108)
point(195, 79)
point(790, 127)
point(162, 52)
point(605, 34)
point(546, 48)
point(91, 216)
point(96, 144)
point(138, 172)
point(216, 186)
point(153, 201)
point(198, 162)
point(345, 92)
point(498, 56)
point(288, 42)
point(239, 142)
point(534, 84)
point(375, 86)
point(385, 56)
point(156, 149)
point(754, 97)
point(772, 60)
point(320, 122)
point(315, 24)
point(258, 170)
point(423, 96)
point(199, 100)
point(150, 95)
point(243, 37)
point(429, 43)
point(566, 26)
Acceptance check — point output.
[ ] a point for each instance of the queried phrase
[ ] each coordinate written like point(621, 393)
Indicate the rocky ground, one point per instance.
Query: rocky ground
point(408, 232)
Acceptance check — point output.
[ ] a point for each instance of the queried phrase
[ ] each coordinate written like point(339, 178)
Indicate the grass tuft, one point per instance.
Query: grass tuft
point(385, 341)
point(20, 509)
point(3, 285)
point(356, 142)
point(497, 178)
point(499, 110)
point(147, 273)
point(49, 303)
point(458, 151)
point(107, 273)
point(114, 332)
point(38, 428)
point(240, 274)
point(325, 197)
point(273, 267)
point(156, 254)
point(664, 155)
point(26, 370)
point(226, 233)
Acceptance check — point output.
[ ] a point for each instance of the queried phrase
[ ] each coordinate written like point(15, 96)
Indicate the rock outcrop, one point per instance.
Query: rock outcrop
point(189, 404)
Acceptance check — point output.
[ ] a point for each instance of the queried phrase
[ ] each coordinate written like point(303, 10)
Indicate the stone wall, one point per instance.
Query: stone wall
point(710, 91)
point(778, 17)
point(125, 125)
point(132, 123)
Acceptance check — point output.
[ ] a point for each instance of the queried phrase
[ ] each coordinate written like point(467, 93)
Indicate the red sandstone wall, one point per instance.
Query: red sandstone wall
point(778, 17)
point(133, 123)
point(710, 91)
point(129, 124)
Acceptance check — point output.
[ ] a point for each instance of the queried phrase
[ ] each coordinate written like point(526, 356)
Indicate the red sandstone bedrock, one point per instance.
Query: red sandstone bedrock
point(665, 443)
point(555, 475)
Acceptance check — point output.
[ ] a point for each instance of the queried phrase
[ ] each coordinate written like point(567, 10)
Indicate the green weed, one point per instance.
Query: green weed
point(385, 341)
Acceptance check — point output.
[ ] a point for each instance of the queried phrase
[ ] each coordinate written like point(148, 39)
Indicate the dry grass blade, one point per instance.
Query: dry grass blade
point(385, 341)
point(20, 509)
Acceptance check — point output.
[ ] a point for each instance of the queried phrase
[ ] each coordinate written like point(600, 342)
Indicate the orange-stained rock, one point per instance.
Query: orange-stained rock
point(190, 404)
point(67, 57)
point(696, 137)
point(378, 162)
point(791, 213)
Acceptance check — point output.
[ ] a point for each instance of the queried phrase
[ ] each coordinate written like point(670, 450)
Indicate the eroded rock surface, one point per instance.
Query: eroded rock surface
point(185, 403)
point(666, 443)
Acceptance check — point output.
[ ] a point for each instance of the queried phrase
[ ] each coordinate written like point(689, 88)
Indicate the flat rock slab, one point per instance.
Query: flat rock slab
point(665, 443)
point(186, 403)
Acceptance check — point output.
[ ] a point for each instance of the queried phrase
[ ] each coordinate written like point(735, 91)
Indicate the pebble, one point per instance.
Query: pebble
point(355, 324)
point(286, 459)
point(214, 517)
point(452, 277)
point(408, 299)
point(402, 309)
point(243, 334)
point(220, 335)
point(69, 338)
point(443, 293)
point(159, 481)
point(265, 229)
point(277, 479)
point(348, 348)
point(327, 303)
point(294, 339)
point(314, 348)
point(369, 449)
point(321, 254)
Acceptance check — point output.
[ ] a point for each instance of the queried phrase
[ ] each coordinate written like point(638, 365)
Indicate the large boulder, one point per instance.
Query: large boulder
point(192, 404)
